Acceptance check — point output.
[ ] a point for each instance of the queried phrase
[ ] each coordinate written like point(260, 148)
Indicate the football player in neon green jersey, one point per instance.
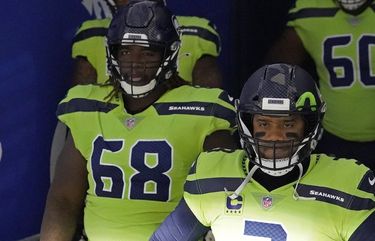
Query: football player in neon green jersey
point(275, 189)
point(339, 37)
point(197, 59)
point(132, 142)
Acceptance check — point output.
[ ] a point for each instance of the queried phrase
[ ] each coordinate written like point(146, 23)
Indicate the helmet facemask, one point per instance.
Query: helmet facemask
point(272, 95)
point(278, 157)
point(151, 26)
point(139, 78)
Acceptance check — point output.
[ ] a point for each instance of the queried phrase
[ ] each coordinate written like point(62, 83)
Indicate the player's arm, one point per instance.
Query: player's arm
point(66, 196)
point(206, 72)
point(180, 225)
point(288, 48)
point(83, 71)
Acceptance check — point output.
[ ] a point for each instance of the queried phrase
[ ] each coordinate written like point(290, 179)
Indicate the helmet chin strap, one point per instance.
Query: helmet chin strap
point(138, 91)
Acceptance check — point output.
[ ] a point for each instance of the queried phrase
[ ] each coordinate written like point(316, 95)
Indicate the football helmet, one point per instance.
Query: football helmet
point(354, 7)
point(279, 90)
point(147, 24)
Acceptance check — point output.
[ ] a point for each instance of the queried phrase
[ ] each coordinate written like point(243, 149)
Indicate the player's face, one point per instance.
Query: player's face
point(138, 64)
point(278, 136)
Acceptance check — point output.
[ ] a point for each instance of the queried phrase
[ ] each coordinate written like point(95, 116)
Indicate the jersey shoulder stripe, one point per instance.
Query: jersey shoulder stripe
point(84, 105)
point(190, 100)
point(210, 185)
point(87, 98)
point(199, 27)
point(335, 197)
point(367, 184)
point(92, 28)
point(202, 33)
point(196, 108)
point(313, 13)
point(195, 21)
point(89, 33)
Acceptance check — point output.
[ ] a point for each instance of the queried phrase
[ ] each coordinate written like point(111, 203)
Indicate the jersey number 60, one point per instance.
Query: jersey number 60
point(346, 64)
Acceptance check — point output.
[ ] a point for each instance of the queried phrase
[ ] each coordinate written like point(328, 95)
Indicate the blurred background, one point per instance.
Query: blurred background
point(35, 67)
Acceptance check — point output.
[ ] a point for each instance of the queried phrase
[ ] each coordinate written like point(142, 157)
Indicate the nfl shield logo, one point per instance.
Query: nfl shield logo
point(267, 202)
point(130, 122)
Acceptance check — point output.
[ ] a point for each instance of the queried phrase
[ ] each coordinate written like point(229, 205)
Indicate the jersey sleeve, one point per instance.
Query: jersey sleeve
point(82, 103)
point(202, 33)
point(199, 37)
point(305, 9)
point(180, 225)
point(224, 113)
point(193, 195)
point(360, 215)
point(89, 42)
point(350, 193)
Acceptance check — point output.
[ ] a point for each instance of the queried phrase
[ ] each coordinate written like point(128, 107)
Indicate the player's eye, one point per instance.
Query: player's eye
point(124, 52)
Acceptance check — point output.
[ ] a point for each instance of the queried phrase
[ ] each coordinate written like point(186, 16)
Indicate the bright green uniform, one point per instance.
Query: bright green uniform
point(335, 198)
point(199, 38)
point(137, 164)
point(343, 49)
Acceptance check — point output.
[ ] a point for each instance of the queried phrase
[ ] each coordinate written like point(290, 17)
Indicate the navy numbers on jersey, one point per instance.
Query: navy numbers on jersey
point(150, 181)
point(346, 64)
point(154, 175)
point(105, 173)
point(272, 231)
point(365, 61)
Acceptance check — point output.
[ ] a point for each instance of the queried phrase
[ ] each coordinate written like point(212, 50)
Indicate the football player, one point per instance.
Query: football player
point(275, 189)
point(339, 37)
point(197, 57)
point(132, 141)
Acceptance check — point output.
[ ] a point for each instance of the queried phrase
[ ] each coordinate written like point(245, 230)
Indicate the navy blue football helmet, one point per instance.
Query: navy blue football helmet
point(280, 90)
point(149, 24)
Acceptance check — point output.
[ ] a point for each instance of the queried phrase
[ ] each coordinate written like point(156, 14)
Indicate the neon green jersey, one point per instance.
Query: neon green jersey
point(89, 43)
point(343, 49)
point(330, 207)
point(137, 164)
point(199, 37)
